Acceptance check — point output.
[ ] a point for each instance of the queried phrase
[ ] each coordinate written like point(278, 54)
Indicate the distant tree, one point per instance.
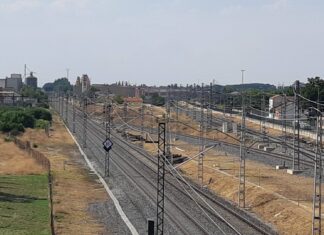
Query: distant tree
point(62, 85)
point(157, 100)
point(313, 88)
point(31, 92)
point(48, 87)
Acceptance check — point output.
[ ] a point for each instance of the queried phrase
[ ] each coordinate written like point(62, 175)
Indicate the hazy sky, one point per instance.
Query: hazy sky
point(165, 41)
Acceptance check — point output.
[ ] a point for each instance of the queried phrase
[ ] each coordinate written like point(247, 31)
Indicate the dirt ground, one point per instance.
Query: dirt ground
point(274, 196)
point(14, 161)
point(75, 188)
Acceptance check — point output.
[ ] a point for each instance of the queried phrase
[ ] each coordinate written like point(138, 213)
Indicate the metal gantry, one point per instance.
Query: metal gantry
point(108, 135)
point(85, 122)
point(160, 179)
point(317, 197)
point(241, 190)
point(202, 140)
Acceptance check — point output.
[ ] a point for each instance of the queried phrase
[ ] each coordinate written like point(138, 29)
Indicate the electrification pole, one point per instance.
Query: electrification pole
point(241, 196)
point(73, 114)
point(160, 179)
point(108, 135)
point(187, 100)
point(59, 104)
point(168, 143)
point(202, 139)
point(62, 105)
point(296, 128)
point(317, 196)
point(85, 121)
point(210, 111)
point(125, 111)
point(67, 110)
point(142, 125)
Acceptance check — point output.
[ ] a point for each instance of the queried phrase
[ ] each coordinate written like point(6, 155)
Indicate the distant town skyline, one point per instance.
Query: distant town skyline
point(163, 42)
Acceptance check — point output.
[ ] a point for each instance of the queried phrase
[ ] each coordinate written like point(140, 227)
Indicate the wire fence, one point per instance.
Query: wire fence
point(45, 163)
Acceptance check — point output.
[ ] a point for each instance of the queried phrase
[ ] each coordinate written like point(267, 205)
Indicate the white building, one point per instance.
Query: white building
point(281, 107)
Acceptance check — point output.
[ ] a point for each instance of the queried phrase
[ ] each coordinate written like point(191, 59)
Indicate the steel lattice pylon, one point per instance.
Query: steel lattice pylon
point(160, 179)
point(202, 140)
point(295, 163)
point(317, 197)
point(241, 190)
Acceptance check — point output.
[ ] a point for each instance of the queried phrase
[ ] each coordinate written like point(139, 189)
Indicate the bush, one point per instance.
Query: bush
point(41, 123)
point(18, 117)
point(11, 127)
point(40, 113)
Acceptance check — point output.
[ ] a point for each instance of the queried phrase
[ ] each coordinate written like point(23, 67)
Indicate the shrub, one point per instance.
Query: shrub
point(41, 123)
point(12, 127)
point(17, 117)
point(40, 113)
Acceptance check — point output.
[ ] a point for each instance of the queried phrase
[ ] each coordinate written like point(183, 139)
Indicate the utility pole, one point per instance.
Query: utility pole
point(73, 114)
point(160, 179)
point(285, 123)
point(62, 104)
point(168, 143)
point(85, 121)
point(187, 100)
point(194, 107)
point(202, 140)
point(263, 112)
point(317, 196)
point(125, 111)
point(241, 196)
point(67, 109)
point(296, 127)
point(108, 135)
point(142, 125)
point(210, 111)
point(225, 98)
point(59, 103)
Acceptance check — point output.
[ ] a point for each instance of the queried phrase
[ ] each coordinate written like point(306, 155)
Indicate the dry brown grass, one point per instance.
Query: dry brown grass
point(74, 187)
point(14, 161)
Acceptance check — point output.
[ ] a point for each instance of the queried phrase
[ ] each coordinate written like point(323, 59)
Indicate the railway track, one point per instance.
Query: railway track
point(124, 150)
